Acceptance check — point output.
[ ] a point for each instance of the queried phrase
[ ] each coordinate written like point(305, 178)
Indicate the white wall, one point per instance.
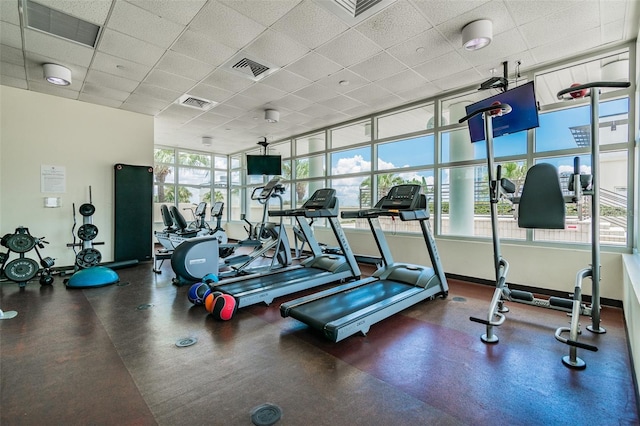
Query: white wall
point(87, 140)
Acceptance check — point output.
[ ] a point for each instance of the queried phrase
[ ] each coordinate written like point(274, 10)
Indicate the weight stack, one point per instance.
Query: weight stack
point(133, 216)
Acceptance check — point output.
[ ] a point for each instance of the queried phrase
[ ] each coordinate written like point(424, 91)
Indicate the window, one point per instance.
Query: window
point(351, 135)
point(404, 122)
point(406, 153)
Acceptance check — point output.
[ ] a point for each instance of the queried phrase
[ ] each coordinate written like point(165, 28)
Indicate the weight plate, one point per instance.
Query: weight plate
point(87, 232)
point(87, 209)
point(88, 257)
point(20, 243)
point(21, 270)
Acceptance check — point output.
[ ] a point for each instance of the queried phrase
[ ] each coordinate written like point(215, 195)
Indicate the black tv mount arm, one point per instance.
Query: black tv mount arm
point(264, 144)
point(498, 82)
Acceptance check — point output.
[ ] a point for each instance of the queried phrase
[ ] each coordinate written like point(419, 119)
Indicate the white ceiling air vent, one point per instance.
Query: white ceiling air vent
point(249, 67)
point(197, 103)
point(354, 11)
point(59, 24)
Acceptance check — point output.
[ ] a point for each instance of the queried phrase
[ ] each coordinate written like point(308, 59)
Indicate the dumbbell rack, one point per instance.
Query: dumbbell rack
point(24, 269)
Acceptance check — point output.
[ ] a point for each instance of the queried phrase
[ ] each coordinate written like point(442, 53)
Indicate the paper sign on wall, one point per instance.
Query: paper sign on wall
point(52, 179)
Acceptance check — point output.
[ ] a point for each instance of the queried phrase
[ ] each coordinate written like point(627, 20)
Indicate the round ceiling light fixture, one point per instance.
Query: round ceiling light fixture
point(57, 74)
point(271, 115)
point(477, 34)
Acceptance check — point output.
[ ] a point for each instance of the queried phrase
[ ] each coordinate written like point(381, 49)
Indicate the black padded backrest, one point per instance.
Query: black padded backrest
point(178, 219)
point(541, 203)
point(166, 217)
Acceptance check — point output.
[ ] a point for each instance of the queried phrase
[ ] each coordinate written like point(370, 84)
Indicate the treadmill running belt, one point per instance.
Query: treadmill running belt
point(322, 311)
point(283, 278)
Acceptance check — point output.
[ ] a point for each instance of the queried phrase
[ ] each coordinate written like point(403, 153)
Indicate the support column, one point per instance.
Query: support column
point(461, 180)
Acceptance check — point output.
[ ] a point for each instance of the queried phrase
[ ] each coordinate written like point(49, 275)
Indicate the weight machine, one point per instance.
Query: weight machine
point(542, 205)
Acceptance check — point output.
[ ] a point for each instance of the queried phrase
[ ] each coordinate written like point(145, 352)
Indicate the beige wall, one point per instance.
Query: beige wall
point(87, 140)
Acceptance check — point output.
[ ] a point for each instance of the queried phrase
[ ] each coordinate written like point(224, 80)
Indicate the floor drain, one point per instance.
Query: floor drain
point(459, 299)
point(144, 306)
point(266, 415)
point(187, 341)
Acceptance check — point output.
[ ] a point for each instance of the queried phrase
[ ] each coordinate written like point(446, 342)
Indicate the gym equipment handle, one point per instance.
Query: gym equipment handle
point(618, 84)
point(569, 342)
point(506, 108)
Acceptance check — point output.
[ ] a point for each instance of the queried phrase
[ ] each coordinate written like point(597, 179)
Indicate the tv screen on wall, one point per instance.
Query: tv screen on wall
point(523, 115)
point(264, 165)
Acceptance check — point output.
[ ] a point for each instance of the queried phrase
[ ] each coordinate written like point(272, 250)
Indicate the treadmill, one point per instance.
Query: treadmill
point(318, 269)
point(342, 311)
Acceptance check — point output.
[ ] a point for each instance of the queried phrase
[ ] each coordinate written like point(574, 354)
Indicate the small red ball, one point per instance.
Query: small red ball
point(221, 306)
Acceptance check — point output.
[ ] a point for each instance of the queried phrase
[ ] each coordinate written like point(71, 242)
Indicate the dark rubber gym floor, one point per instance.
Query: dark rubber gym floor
point(98, 357)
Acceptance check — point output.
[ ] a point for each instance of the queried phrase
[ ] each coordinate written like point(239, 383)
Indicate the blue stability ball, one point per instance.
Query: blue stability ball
point(210, 278)
point(96, 276)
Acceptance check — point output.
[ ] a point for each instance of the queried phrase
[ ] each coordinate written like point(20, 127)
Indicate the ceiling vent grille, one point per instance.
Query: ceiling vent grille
point(250, 67)
point(59, 24)
point(197, 103)
point(354, 11)
point(357, 7)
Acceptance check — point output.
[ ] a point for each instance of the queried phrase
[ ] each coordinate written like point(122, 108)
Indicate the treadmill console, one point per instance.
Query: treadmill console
point(321, 199)
point(200, 209)
point(401, 197)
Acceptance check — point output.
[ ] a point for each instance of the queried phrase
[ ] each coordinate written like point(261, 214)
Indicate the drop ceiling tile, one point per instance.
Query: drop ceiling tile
point(123, 46)
point(317, 110)
point(97, 100)
point(378, 67)
point(565, 24)
point(437, 68)
point(276, 48)
point(95, 11)
point(567, 46)
point(156, 92)
point(210, 119)
point(351, 81)
point(292, 102)
point(184, 66)
point(199, 46)
point(92, 90)
point(349, 48)
point(141, 24)
point(314, 67)
point(11, 55)
point(527, 11)
point(181, 12)
point(340, 103)
point(65, 52)
point(100, 78)
point(170, 81)
point(51, 89)
point(298, 118)
point(243, 103)
point(404, 81)
point(143, 105)
point(18, 83)
point(266, 12)
point(9, 13)
point(316, 92)
point(424, 91)
point(225, 25)
point(439, 11)
point(395, 24)
point(119, 66)
point(285, 81)
point(227, 110)
point(613, 31)
point(263, 93)
point(301, 24)
point(460, 79)
point(370, 94)
point(211, 93)
point(228, 81)
point(421, 48)
point(179, 113)
point(9, 69)
point(494, 10)
point(10, 35)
